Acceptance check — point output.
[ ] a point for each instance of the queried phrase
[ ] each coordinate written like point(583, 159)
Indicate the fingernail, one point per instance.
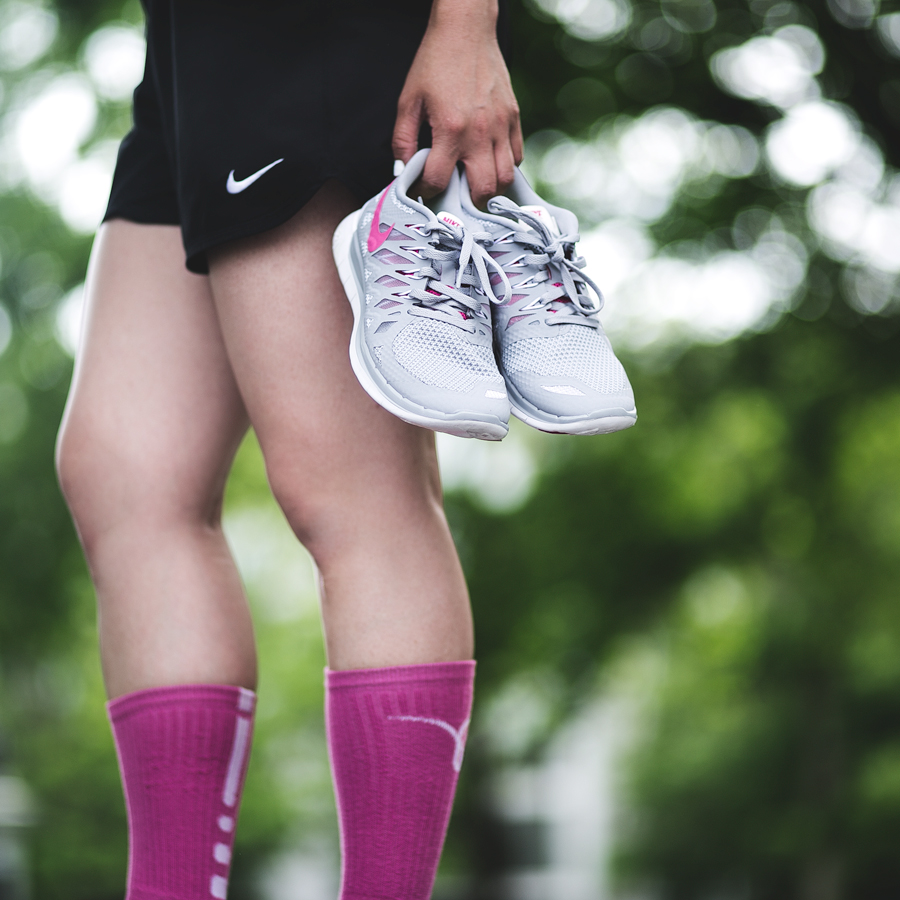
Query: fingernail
point(399, 166)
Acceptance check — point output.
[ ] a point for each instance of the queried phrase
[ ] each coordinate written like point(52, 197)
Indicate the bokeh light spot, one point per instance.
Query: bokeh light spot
point(778, 69)
point(889, 32)
point(811, 141)
point(51, 128)
point(69, 320)
point(854, 13)
point(5, 329)
point(114, 56)
point(589, 19)
point(27, 31)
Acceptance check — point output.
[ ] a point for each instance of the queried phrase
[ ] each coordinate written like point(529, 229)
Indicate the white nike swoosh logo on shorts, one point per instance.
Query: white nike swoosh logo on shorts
point(235, 187)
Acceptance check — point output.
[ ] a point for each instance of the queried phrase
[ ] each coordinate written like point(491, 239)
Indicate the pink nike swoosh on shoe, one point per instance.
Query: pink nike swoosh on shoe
point(376, 236)
point(420, 305)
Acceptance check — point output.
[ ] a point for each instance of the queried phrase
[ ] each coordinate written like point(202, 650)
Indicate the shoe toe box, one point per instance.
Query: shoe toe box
point(571, 372)
point(570, 397)
point(439, 370)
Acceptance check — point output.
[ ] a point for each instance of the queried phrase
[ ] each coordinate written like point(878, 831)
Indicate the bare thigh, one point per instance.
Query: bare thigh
point(152, 424)
point(360, 487)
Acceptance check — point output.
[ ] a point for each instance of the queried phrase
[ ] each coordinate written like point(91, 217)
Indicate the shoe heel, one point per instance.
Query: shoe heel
point(341, 246)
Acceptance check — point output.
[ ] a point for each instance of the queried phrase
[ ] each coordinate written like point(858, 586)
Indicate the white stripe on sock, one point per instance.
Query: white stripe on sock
point(458, 735)
point(236, 763)
point(245, 700)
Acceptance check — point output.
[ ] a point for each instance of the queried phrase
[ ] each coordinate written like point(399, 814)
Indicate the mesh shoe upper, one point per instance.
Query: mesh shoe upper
point(573, 352)
point(432, 352)
point(552, 349)
point(427, 324)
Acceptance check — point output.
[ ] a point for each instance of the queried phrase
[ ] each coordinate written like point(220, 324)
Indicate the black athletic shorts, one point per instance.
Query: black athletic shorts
point(248, 106)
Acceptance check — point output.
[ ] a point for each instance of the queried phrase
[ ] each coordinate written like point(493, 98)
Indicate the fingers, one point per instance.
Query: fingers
point(506, 166)
point(492, 171)
point(405, 140)
point(517, 144)
point(438, 168)
point(489, 145)
point(481, 173)
point(490, 167)
point(474, 116)
point(472, 144)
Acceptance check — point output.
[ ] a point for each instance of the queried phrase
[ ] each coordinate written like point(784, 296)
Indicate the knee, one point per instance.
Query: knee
point(333, 511)
point(112, 485)
point(80, 479)
point(309, 506)
point(89, 475)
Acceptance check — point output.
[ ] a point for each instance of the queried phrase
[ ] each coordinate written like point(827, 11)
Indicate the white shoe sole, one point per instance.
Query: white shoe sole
point(342, 245)
point(557, 425)
point(606, 425)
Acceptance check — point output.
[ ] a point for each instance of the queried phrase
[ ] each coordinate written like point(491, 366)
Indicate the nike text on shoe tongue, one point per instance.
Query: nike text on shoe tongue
point(450, 219)
point(543, 214)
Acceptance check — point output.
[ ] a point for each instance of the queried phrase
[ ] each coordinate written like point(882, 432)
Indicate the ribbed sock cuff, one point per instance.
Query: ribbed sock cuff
point(229, 696)
point(444, 672)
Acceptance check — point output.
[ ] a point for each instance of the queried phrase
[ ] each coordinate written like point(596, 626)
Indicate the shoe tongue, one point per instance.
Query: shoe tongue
point(451, 220)
point(448, 268)
point(542, 213)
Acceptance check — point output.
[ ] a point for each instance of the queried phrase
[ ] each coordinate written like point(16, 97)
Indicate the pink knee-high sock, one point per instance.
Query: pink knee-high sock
point(183, 755)
point(396, 738)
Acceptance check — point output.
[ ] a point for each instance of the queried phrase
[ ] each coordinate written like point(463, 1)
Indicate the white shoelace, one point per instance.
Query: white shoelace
point(548, 250)
point(466, 249)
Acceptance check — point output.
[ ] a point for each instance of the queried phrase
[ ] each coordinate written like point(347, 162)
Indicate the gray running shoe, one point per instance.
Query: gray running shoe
point(421, 289)
point(560, 369)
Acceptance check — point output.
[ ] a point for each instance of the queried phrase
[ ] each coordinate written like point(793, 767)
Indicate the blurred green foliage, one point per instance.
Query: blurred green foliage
point(747, 531)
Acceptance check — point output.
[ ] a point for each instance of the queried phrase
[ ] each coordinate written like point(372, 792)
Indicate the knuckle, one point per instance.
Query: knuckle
point(404, 124)
point(435, 181)
point(481, 121)
point(435, 185)
point(454, 125)
point(486, 189)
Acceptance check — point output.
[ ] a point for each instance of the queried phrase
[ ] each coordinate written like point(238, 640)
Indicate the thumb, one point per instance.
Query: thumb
point(405, 141)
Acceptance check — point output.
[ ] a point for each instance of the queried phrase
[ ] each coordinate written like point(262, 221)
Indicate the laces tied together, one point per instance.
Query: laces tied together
point(474, 266)
point(552, 250)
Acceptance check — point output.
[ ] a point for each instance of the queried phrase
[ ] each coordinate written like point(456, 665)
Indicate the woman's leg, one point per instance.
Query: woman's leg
point(361, 490)
point(152, 424)
point(360, 487)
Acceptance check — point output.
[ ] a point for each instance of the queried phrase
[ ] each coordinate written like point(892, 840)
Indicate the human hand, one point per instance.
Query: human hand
point(459, 84)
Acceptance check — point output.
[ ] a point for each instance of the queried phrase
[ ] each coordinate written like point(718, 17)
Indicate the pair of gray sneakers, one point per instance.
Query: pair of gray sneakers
point(462, 317)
